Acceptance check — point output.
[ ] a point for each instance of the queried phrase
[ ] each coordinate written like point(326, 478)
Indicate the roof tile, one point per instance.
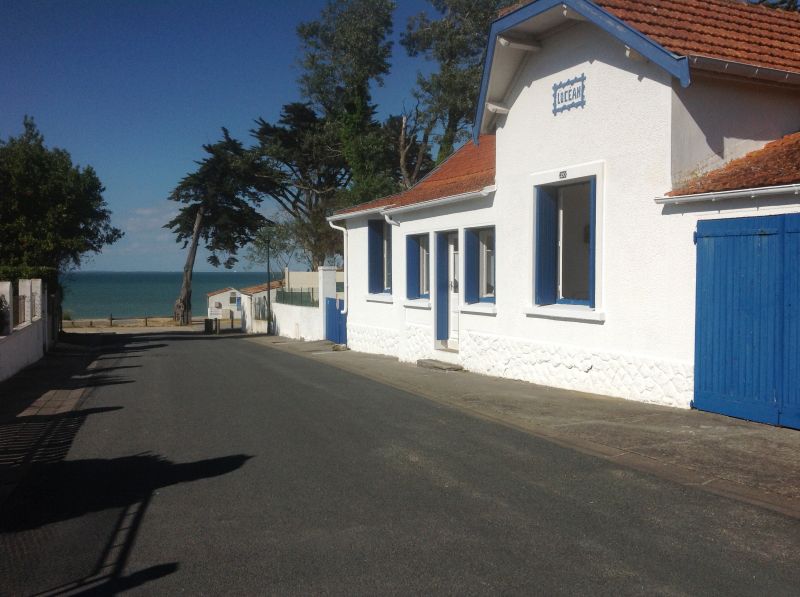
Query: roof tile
point(470, 168)
point(250, 290)
point(732, 30)
point(777, 163)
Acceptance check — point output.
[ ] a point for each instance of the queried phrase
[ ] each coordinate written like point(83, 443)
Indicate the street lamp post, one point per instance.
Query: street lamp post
point(269, 290)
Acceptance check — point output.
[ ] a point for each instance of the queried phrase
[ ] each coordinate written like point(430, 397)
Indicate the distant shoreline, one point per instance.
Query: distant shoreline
point(98, 295)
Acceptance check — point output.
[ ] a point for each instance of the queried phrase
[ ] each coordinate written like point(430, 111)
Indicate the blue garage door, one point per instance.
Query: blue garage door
point(747, 325)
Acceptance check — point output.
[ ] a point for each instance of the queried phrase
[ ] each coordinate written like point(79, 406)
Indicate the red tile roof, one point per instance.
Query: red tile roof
point(777, 163)
point(261, 287)
point(731, 30)
point(213, 292)
point(469, 169)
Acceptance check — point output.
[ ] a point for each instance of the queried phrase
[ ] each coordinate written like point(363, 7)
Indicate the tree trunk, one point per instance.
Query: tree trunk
point(448, 139)
point(183, 305)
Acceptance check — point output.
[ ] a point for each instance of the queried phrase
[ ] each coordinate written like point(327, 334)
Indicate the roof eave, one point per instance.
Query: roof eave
point(750, 193)
point(484, 192)
point(675, 65)
point(355, 214)
point(741, 69)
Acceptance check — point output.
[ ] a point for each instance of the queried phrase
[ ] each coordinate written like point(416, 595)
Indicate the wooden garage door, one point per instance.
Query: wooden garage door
point(747, 326)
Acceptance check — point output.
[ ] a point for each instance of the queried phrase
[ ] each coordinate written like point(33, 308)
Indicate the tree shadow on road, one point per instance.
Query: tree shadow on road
point(57, 491)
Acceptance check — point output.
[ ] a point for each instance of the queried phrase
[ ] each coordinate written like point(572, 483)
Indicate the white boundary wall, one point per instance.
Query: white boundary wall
point(26, 343)
point(293, 321)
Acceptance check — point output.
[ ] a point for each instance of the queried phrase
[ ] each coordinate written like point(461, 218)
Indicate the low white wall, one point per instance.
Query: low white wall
point(22, 348)
point(302, 323)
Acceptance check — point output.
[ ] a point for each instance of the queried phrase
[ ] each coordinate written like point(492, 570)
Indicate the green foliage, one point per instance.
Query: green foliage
point(345, 51)
point(457, 43)
point(220, 189)
point(28, 272)
point(284, 245)
point(785, 4)
point(301, 165)
point(53, 212)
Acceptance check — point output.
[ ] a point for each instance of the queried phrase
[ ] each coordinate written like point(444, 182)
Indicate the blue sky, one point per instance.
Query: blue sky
point(135, 87)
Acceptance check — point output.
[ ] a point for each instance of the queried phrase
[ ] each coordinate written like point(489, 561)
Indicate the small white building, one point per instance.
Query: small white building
point(620, 187)
point(256, 303)
point(224, 302)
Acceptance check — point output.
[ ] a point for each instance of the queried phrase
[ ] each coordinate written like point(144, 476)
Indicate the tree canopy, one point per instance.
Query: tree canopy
point(54, 213)
point(456, 42)
point(219, 190)
point(219, 208)
point(785, 4)
point(300, 164)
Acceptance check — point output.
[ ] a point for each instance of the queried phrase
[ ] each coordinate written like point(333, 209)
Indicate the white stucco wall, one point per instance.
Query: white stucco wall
point(716, 120)
point(638, 343)
point(224, 299)
point(302, 323)
point(22, 348)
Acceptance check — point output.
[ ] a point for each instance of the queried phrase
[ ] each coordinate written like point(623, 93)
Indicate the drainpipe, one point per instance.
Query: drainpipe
point(389, 219)
point(343, 230)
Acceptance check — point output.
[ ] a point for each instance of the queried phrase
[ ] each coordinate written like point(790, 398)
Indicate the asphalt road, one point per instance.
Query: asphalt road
point(216, 466)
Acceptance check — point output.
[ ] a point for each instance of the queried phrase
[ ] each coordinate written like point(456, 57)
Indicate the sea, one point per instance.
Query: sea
point(138, 294)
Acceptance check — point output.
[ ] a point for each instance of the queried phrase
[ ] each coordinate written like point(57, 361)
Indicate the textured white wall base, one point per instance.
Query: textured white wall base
point(375, 340)
point(416, 343)
point(620, 375)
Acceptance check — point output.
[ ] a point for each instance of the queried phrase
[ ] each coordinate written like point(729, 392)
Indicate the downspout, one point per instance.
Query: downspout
point(343, 230)
point(389, 219)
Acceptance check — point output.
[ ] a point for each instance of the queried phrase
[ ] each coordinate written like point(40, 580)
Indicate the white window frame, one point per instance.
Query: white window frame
point(387, 257)
point(424, 265)
point(564, 175)
point(486, 255)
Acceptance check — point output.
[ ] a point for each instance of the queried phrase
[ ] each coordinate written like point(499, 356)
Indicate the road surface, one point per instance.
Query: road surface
point(219, 466)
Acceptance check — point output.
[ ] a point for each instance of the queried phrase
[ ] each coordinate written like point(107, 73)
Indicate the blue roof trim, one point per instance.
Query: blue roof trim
point(677, 66)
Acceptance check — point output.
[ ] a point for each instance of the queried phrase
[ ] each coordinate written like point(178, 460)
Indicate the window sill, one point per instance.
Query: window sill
point(383, 297)
point(566, 312)
point(417, 304)
point(480, 309)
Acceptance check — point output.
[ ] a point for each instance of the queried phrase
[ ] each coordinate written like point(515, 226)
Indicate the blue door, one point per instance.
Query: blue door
point(746, 326)
point(335, 321)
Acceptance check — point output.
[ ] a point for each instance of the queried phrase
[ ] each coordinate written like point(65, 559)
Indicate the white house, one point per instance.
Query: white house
point(256, 303)
point(633, 171)
point(223, 302)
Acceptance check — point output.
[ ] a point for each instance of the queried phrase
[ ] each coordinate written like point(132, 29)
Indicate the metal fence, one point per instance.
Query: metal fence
point(302, 297)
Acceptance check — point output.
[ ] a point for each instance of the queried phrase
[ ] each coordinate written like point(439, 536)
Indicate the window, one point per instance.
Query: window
point(418, 264)
point(379, 240)
point(232, 299)
point(479, 265)
point(565, 222)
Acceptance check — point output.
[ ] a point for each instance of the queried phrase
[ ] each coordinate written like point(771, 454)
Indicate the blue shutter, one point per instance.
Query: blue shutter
point(471, 266)
point(412, 267)
point(547, 245)
point(592, 235)
point(442, 288)
point(375, 255)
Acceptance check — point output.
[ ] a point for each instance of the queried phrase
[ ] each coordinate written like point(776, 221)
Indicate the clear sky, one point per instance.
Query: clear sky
point(135, 87)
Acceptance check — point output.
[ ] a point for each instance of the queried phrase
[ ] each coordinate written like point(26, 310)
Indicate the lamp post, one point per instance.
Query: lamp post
point(269, 288)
